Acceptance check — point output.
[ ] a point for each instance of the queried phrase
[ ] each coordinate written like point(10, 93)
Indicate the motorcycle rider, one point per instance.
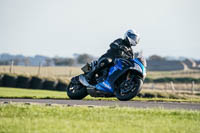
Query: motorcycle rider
point(120, 48)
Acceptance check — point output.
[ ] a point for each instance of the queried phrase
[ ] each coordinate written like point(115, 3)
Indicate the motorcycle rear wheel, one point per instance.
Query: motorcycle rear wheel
point(127, 94)
point(76, 90)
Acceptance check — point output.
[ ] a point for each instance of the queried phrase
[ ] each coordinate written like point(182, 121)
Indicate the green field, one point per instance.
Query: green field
point(46, 94)
point(30, 93)
point(19, 118)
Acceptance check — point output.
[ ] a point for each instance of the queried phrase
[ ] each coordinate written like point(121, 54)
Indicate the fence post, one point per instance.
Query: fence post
point(39, 68)
point(11, 66)
point(193, 85)
point(172, 86)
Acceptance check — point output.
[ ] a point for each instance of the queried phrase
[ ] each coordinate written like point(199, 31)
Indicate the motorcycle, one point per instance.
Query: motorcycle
point(123, 80)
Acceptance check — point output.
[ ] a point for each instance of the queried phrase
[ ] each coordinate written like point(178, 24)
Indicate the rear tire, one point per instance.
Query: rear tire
point(76, 90)
point(132, 93)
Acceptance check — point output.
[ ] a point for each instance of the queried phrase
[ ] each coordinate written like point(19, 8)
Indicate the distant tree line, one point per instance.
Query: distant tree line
point(47, 61)
point(80, 59)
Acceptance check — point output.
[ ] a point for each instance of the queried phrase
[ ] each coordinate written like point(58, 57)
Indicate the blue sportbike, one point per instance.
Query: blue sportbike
point(123, 80)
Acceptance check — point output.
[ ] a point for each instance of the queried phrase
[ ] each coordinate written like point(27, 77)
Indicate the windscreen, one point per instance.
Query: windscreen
point(141, 58)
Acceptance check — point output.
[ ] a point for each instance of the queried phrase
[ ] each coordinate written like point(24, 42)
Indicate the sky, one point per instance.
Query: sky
point(64, 27)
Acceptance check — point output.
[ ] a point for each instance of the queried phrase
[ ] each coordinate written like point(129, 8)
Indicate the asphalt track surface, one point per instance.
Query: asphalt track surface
point(91, 103)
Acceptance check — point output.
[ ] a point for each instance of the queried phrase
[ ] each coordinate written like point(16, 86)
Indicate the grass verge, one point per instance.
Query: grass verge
point(30, 93)
point(21, 118)
point(45, 94)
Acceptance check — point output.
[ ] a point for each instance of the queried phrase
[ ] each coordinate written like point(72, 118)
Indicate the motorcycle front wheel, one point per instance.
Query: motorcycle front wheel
point(128, 89)
point(76, 90)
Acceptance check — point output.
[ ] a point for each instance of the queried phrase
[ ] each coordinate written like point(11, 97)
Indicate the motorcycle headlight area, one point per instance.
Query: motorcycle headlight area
point(137, 67)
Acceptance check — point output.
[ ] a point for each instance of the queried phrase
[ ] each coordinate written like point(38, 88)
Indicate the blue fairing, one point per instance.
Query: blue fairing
point(105, 85)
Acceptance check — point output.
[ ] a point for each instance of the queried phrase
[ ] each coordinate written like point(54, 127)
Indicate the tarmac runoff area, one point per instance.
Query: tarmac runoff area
point(93, 103)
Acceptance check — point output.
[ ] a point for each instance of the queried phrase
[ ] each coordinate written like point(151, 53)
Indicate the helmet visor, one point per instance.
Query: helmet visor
point(133, 37)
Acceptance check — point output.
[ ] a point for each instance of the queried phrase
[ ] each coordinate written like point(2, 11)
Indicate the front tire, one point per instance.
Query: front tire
point(76, 90)
point(126, 92)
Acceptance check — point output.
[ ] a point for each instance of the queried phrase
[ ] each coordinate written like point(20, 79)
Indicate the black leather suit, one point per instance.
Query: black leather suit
point(118, 49)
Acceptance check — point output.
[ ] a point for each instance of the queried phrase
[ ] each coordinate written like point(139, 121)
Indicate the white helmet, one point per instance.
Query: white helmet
point(132, 36)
